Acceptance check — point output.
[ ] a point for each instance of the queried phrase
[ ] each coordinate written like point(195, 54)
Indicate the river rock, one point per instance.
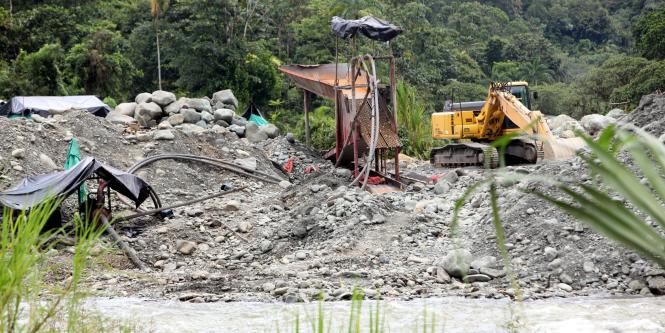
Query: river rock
point(225, 115)
point(200, 104)
point(207, 117)
point(476, 278)
point(616, 113)
point(225, 97)
point(595, 123)
point(240, 121)
point(254, 134)
point(185, 247)
point(442, 187)
point(244, 227)
point(248, 163)
point(47, 162)
point(565, 287)
point(143, 98)
point(147, 114)
point(164, 135)
point(237, 129)
point(232, 206)
point(176, 106)
point(270, 130)
point(550, 253)
point(657, 284)
point(126, 109)
point(457, 262)
point(119, 119)
point(163, 98)
point(176, 119)
point(18, 153)
point(190, 116)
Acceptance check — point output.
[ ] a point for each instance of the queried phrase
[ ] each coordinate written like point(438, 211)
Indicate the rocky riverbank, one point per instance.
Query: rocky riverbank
point(312, 233)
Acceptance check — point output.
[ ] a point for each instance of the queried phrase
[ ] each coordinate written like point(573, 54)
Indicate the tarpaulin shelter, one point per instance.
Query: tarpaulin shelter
point(252, 113)
point(369, 26)
point(44, 105)
point(38, 189)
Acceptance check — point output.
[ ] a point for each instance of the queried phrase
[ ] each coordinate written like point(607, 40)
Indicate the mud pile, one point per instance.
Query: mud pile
point(313, 233)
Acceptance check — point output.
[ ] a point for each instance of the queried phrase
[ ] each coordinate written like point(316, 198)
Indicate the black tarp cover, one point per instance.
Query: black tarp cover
point(34, 190)
point(369, 26)
point(27, 105)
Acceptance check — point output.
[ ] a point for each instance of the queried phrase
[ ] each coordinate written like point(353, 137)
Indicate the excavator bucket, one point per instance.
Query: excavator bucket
point(561, 149)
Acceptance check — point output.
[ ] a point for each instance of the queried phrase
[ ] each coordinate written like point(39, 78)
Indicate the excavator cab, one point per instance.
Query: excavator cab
point(521, 91)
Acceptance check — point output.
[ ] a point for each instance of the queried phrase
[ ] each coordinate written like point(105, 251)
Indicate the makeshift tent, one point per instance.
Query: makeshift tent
point(369, 26)
point(252, 113)
point(44, 105)
point(37, 189)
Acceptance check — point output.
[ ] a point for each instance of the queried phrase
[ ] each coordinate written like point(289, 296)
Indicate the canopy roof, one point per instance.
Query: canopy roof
point(369, 26)
point(25, 105)
point(37, 189)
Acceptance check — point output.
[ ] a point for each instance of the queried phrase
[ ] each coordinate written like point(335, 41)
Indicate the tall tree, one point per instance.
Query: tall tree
point(157, 7)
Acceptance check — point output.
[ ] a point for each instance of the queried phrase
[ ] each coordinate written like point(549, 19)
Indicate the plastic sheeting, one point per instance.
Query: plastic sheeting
point(34, 190)
point(369, 26)
point(42, 105)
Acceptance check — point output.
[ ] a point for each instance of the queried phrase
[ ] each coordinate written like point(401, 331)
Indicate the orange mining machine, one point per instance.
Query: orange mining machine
point(365, 108)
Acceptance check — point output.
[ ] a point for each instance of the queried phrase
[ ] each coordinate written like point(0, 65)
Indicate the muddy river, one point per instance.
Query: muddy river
point(588, 314)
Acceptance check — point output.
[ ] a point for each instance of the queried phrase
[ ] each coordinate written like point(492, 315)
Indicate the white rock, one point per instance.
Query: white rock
point(47, 162)
point(164, 135)
point(18, 153)
point(126, 109)
point(163, 98)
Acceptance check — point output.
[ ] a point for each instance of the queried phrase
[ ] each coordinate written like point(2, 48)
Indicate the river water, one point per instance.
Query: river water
point(452, 314)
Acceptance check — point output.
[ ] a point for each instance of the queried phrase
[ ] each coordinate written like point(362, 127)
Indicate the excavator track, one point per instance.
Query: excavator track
point(465, 154)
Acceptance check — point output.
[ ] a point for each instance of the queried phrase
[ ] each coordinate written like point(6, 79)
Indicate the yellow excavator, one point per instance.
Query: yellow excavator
point(473, 126)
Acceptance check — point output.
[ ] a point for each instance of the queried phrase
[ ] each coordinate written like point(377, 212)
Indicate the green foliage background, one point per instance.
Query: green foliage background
point(581, 55)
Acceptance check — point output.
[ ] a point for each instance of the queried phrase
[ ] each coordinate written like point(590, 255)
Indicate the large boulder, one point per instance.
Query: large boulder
point(564, 122)
point(143, 98)
point(595, 123)
point(239, 130)
point(270, 130)
point(616, 113)
point(176, 106)
point(147, 114)
point(126, 109)
point(200, 104)
point(457, 262)
point(163, 98)
point(254, 134)
point(225, 114)
point(225, 97)
point(120, 119)
point(191, 116)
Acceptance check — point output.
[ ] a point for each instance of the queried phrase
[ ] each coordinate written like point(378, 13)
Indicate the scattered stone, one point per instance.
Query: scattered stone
point(476, 278)
point(164, 135)
point(244, 226)
point(232, 206)
point(595, 123)
point(47, 162)
point(254, 134)
point(268, 287)
point(185, 247)
point(18, 153)
point(616, 113)
point(442, 187)
point(301, 255)
point(565, 287)
point(176, 106)
point(270, 130)
point(248, 164)
point(657, 285)
point(344, 173)
point(550, 253)
point(207, 117)
point(237, 129)
point(588, 266)
point(456, 262)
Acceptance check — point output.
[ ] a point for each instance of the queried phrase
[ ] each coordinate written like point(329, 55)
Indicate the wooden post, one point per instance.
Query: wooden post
point(307, 107)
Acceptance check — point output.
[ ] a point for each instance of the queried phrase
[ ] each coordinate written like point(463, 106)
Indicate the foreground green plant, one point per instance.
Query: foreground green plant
point(27, 302)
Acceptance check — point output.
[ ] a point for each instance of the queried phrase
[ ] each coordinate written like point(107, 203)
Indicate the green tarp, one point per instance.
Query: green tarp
point(73, 158)
point(258, 120)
